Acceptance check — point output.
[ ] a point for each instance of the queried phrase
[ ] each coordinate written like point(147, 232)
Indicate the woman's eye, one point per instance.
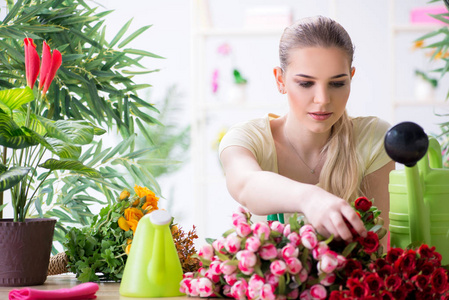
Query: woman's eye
point(337, 84)
point(305, 84)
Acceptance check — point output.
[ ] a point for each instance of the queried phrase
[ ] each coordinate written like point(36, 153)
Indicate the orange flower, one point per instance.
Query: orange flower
point(418, 44)
point(124, 195)
point(142, 191)
point(133, 215)
point(128, 246)
point(123, 224)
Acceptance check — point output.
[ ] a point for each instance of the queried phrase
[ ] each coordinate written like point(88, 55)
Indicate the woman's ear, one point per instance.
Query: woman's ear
point(279, 77)
point(352, 72)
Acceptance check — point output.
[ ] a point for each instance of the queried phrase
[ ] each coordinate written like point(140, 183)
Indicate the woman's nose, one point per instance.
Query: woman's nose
point(322, 95)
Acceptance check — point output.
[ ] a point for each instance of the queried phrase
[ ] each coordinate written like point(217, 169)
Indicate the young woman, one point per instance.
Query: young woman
point(315, 159)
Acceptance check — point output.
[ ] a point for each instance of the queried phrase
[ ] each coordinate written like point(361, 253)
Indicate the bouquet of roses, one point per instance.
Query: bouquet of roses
point(270, 260)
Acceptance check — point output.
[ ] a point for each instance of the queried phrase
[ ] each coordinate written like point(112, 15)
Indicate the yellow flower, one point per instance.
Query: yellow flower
point(124, 195)
point(150, 203)
point(418, 44)
point(142, 191)
point(133, 215)
point(123, 224)
point(128, 246)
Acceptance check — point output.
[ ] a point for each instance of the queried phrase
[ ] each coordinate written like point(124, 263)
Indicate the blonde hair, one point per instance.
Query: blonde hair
point(341, 174)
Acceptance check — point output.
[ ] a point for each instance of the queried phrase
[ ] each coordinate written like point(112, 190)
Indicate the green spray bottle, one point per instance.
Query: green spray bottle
point(153, 268)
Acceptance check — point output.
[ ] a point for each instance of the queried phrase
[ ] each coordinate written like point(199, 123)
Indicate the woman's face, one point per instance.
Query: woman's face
point(317, 82)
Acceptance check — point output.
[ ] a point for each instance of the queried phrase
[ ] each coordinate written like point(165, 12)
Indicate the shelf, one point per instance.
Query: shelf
point(415, 103)
point(416, 27)
point(244, 106)
point(240, 31)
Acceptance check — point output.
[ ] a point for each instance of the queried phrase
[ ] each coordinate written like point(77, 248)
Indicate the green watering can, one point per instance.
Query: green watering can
point(419, 194)
point(153, 269)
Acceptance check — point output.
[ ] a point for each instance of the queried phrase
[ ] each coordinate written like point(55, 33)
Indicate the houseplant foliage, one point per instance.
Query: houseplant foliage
point(27, 134)
point(94, 84)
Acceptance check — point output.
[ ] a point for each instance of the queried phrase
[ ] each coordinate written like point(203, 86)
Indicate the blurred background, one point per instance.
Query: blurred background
point(217, 70)
point(205, 41)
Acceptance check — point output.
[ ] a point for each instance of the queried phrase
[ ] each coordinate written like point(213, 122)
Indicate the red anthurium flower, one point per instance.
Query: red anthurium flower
point(45, 64)
point(56, 60)
point(31, 62)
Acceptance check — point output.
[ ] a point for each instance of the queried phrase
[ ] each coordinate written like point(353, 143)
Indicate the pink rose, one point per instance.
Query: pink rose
point(243, 229)
point(309, 239)
point(185, 285)
point(328, 262)
point(267, 292)
point(294, 238)
point(245, 269)
point(268, 251)
point(272, 279)
point(278, 267)
point(219, 245)
point(247, 258)
point(290, 251)
point(215, 267)
point(238, 289)
point(261, 229)
point(238, 218)
point(277, 226)
point(194, 287)
point(188, 275)
point(303, 275)
point(319, 250)
point(329, 279)
point(294, 294)
point(205, 287)
point(232, 243)
point(305, 295)
point(318, 291)
point(227, 268)
point(306, 228)
point(255, 284)
point(213, 277)
point(252, 244)
point(231, 279)
point(287, 230)
point(206, 252)
point(294, 265)
point(341, 262)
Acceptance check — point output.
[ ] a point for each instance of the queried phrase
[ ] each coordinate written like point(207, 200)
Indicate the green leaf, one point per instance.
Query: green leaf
point(3, 206)
point(13, 12)
point(348, 249)
point(12, 177)
point(14, 98)
point(76, 166)
point(133, 36)
point(72, 132)
point(12, 136)
point(141, 52)
point(119, 34)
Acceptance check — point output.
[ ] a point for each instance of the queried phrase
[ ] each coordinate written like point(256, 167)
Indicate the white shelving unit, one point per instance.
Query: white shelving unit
point(398, 101)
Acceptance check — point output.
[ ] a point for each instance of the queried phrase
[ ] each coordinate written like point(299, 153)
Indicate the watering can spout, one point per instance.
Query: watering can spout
point(407, 143)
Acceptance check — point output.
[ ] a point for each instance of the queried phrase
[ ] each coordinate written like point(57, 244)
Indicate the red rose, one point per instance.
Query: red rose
point(358, 290)
point(438, 280)
point(374, 282)
point(393, 254)
point(425, 252)
point(336, 295)
point(427, 268)
point(370, 243)
point(401, 293)
point(351, 265)
point(385, 295)
point(421, 281)
point(385, 271)
point(406, 262)
point(362, 204)
point(393, 282)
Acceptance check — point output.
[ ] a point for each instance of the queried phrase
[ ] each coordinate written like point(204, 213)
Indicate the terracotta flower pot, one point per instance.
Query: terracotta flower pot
point(25, 251)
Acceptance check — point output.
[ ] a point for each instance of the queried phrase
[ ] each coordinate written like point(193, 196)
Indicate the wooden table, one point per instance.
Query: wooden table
point(107, 291)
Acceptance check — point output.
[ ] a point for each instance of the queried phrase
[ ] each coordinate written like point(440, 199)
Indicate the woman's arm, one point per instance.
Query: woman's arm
point(376, 188)
point(266, 193)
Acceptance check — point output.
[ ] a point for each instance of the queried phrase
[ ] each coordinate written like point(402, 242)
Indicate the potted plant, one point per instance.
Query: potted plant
point(32, 141)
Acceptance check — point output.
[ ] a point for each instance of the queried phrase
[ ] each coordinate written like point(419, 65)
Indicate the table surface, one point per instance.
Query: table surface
point(108, 290)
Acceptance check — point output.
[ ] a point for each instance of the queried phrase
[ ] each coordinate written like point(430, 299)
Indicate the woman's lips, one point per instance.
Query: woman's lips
point(320, 116)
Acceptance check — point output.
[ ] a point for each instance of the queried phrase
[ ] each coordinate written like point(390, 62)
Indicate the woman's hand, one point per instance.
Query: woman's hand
point(327, 213)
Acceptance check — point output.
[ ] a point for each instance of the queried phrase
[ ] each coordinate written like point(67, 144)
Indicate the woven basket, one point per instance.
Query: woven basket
point(58, 264)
